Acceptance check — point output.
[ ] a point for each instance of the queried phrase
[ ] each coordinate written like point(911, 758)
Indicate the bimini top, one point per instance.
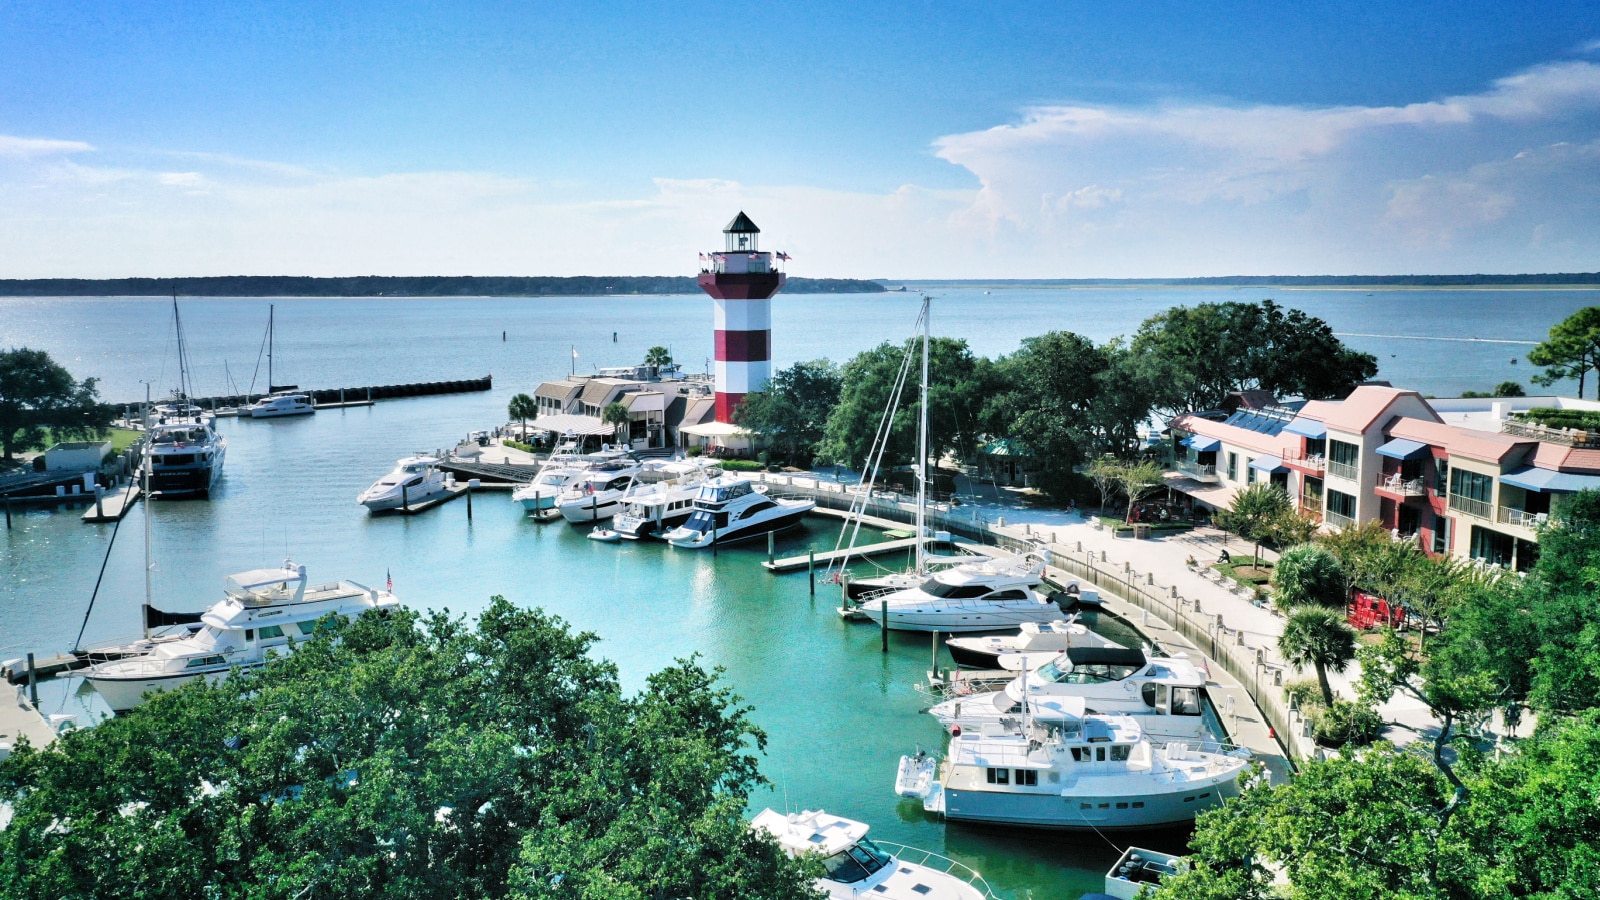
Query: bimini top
point(741, 224)
point(268, 585)
point(812, 831)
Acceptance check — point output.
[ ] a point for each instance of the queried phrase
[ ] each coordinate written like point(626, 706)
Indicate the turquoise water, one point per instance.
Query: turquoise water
point(839, 712)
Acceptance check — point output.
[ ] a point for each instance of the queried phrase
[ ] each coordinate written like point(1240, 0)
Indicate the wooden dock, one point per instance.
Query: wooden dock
point(112, 505)
point(19, 718)
point(425, 505)
point(861, 551)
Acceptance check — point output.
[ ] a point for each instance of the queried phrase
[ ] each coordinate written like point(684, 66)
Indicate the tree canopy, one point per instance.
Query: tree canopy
point(405, 756)
point(792, 413)
point(1571, 350)
point(959, 384)
point(38, 393)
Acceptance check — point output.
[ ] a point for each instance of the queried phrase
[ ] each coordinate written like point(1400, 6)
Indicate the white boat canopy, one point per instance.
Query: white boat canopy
point(567, 423)
point(715, 429)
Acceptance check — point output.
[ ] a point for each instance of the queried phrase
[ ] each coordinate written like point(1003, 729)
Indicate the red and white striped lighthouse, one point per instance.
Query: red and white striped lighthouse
point(741, 282)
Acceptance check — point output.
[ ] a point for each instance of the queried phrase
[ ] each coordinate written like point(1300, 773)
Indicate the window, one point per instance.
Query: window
point(1471, 492)
point(203, 661)
point(999, 776)
point(1341, 507)
point(1250, 474)
point(1185, 701)
point(1027, 777)
point(1441, 534)
point(1154, 695)
point(1343, 459)
point(855, 863)
point(271, 631)
point(1120, 752)
point(1100, 754)
point(1491, 546)
point(1441, 476)
point(1233, 467)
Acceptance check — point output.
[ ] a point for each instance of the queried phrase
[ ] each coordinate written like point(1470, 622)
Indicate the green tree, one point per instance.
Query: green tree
point(1103, 472)
point(1253, 514)
point(616, 415)
point(1509, 389)
point(1571, 350)
point(1308, 574)
point(1051, 386)
point(959, 385)
point(37, 393)
point(792, 413)
point(1196, 355)
point(1136, 481)
point(399, 756)
point(522, 408)
point(658, 356)
point(1318, 637)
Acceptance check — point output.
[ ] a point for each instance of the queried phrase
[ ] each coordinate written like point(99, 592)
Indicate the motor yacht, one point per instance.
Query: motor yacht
point(413, 480)
point(654, 509)
point(855, 866)
point(1164, 693)
point(730, 508)
point(186, 455)
point(262, 610)
point(1057, 766)
point(596, 494)
point(559, 473)
point(1042, 640)
point(989, 596)
point(282, 403)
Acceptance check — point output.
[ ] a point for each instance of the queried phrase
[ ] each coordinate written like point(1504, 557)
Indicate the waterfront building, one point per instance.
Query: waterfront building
point(658, 400)
point(1464, 477)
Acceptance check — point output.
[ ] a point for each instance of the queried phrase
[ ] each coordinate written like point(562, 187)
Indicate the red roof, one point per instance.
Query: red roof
point(1485, 446)
point(1365, 405)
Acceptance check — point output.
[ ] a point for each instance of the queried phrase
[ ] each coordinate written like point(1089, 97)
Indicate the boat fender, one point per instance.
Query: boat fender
point(955, 731)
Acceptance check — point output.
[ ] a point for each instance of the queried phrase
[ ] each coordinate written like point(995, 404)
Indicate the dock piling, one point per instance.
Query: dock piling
point(405, 498)
point(772, 540)
point(8, 513)
point(811, 568)
point(883, 608)
point(99, 502)
point(33, 682)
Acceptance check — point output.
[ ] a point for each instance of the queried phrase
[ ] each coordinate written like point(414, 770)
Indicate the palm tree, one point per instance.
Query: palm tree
point(658, 356)
point(1254, 513)
point(616, 415)
point(1318, 637)
point(522, 408)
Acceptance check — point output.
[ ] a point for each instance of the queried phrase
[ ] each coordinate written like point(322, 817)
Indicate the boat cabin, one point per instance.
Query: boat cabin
point(1166, 685)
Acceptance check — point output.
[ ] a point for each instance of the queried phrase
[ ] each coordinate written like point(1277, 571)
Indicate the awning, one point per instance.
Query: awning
point(1201, 444)
point(1400, 448)
point(714, 429)
point(1216, 496)
point(567, 423)
point(1310, 428)
point(1550, 481)
point(1268, 464)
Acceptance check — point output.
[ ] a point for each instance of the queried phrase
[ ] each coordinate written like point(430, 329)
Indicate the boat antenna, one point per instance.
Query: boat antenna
point(922, 447)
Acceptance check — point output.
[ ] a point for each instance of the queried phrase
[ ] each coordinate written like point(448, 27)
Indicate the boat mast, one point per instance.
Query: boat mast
point(144, 617)
point(185, 389)
point(922, 448)
point(271, 310)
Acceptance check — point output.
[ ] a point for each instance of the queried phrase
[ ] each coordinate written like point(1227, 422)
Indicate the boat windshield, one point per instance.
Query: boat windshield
point(1092, 673)
point(699, 520)
point(178, 435)
point(936, 588)
point(853, 864)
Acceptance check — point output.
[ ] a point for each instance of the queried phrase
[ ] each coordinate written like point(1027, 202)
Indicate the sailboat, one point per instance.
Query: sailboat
point(181, 443)
point(288, 402)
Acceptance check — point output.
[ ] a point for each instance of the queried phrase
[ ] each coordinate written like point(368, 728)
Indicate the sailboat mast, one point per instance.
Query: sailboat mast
point(922, 447)
point(183, 360)
point(144, 617)
point(271, 311)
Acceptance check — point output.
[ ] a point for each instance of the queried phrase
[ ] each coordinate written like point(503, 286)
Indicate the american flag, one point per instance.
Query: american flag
point(755, 256)
point(388, 581)
point(784, 256)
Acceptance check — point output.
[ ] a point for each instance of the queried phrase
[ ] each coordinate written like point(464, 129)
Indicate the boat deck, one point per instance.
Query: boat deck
point(449, 494)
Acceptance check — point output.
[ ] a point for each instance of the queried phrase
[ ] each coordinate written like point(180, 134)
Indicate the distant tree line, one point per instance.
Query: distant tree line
point(1551, 278)
point(392, 286)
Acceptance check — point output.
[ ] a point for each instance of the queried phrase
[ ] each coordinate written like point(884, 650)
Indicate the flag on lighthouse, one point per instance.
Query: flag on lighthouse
point(784, 256)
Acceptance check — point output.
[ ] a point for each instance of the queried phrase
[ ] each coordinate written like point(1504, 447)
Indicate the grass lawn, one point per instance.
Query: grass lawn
point(123, 438)
point(1245, 572)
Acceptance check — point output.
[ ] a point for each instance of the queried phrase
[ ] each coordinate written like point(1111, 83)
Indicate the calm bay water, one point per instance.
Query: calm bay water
point(838, 712)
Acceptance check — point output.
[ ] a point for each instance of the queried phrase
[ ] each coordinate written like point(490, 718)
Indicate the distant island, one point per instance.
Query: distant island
point(1556, 279)
point(390, 286)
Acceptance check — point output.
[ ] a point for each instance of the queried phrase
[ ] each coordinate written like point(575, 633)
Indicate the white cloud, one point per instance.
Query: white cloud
point(30, 148)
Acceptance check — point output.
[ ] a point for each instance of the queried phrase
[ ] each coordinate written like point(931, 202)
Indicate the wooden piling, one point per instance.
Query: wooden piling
point(811, 568)
point(33, 682)
point(883, 607)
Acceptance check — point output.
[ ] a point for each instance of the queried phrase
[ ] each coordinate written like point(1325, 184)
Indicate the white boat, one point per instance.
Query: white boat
point(604, 534)
point(185, 454)
point(855, 866)
point(654, 509)
point(263, 610)
point(988, 596)
point(1042, 640)
point(596, 494)
point(1058, 767)
point(282, 403)
point(730, 508)
point(1166, 694)
point(413, 480)
point(558, 474)
point(1138, 871)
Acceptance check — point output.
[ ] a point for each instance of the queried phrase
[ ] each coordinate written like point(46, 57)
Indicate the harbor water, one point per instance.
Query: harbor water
point(838, 712)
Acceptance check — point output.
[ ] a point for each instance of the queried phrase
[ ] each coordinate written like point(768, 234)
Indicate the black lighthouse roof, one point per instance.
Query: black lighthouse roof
point(741, 224)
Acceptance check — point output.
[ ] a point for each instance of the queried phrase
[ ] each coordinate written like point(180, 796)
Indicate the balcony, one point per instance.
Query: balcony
point(1571, 437)
point(1199, 472)
point(1342, 470)
point(1522, 519)
point(1480, 508)
point(1393, 483)
point(1315, 462)
point(1337, 520)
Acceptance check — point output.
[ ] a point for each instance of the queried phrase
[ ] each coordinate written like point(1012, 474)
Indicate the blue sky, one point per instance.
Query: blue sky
point(904, 140)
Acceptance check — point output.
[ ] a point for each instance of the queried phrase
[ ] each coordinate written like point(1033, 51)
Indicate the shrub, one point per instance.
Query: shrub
point(518, 445)
point(1347, 724)
point(1555, 417)
point(693, 451)
point(741, 465)
point(1308, 574)
point(1304, 693)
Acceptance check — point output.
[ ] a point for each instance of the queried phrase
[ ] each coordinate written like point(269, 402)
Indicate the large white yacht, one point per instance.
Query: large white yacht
point(1042, 640)
point(1164, 693)
point(1055, 766)
point(730, 508)
point(281, 403)
point(414, 479)
point(186, 455)
point(596, 494)
point(988, 596)
point(855, 866)
point(655, 508)
point(262, 610)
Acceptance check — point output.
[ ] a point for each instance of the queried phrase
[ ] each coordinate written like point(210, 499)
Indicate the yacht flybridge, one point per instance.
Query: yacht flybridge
point(730, 508)
point(1057, 766)
point(262, 610)
point(414, 479)
point(596, 494)
point(560, 470)
point(854, 865)
point(988, 596)
point(1163, 693)
point(1041, 639)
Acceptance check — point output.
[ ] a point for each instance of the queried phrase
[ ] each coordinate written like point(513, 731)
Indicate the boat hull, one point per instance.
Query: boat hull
point(1084, 809)
point(124, 694)
point(780, 522)
point(386, 502)
point(973, 617)
point(185, 480)
point(590, 510)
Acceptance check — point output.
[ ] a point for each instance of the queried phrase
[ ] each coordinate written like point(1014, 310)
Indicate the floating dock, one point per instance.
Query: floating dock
point(826, 557)
point(450, 493)
point(18, 719)
point(112, 505)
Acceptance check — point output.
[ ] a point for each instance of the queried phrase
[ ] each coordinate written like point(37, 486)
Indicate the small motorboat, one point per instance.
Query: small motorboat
point(604, 534)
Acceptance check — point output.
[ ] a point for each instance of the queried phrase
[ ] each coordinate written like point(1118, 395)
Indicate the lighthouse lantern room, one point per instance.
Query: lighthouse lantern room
point(741, 281)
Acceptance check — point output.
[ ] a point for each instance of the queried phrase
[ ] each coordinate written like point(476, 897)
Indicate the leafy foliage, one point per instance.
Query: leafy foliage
point(1308, 574)
point(1571, 350)
point(37, 393)
point(522, 408)
point(1255, 513)
point(959, 384)
point(1318, 637)
point(658, 356)
point(405, 757)
point(616, 415)
point(1347, 723)
point(792, 413)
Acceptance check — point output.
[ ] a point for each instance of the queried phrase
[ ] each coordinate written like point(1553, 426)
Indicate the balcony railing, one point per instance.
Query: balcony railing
point(1337, 519)
point(1342, 470)
point(1480, 508)
point(1521, 518)
point(1405, 487)
point(1197, 471)
point(1314, 461)
point(1311, 505)
point(1571, 437)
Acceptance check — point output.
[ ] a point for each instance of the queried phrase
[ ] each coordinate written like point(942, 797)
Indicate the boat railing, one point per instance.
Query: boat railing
point(1204, 745)
point(939, 863)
